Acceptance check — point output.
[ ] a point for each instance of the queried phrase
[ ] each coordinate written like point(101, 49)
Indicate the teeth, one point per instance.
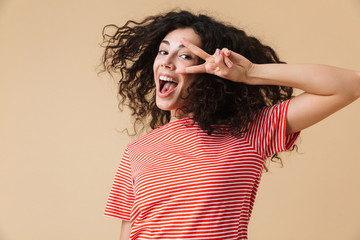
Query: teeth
point(167, 79)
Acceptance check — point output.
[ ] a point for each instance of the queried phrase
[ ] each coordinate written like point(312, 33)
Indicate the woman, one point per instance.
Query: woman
point(216, 119)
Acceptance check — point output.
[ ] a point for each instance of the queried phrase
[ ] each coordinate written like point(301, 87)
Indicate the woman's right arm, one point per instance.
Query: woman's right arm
point(125, 230)
point(326, 88)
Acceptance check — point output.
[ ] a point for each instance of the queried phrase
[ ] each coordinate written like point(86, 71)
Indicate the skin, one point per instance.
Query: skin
point(125, 230)
point(173, 56)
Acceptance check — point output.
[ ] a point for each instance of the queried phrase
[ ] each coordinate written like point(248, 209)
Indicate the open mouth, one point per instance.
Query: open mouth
point(167, 84)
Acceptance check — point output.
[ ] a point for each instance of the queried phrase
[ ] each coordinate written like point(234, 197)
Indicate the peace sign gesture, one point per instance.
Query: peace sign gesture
point(223, 63)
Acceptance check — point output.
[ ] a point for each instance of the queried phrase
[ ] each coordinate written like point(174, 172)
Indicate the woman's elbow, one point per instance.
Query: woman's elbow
point(350, 90)
point(357, 85)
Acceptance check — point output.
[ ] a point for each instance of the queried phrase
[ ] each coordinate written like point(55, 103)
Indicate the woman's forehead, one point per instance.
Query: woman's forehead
point(176, 35)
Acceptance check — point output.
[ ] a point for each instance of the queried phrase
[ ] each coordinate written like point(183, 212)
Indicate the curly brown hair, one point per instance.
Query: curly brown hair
point(131, 49)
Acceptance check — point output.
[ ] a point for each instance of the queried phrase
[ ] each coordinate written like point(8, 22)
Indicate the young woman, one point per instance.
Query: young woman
point(216, 118)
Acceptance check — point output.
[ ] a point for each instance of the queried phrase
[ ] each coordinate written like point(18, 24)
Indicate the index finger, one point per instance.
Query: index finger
point(195, 49)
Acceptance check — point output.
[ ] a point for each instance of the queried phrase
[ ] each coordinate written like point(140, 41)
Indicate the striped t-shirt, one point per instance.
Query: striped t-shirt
point(178, 182)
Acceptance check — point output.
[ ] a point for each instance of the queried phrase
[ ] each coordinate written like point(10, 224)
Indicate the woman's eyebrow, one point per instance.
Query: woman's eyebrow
point(168, 43)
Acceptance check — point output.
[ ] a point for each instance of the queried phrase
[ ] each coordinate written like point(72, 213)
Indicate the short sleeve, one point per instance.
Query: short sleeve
point(267, 131)
point(121, 197)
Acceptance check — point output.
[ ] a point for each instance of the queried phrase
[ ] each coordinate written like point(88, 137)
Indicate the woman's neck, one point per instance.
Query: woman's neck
point(178, 114)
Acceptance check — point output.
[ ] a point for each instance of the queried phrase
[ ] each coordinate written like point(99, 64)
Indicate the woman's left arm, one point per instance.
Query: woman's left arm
point(326, 89)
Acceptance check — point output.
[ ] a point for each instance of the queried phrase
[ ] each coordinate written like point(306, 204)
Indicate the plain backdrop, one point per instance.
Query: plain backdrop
point(60, 129)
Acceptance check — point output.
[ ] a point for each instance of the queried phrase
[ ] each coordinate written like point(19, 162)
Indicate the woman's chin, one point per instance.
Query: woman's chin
point(164, 106)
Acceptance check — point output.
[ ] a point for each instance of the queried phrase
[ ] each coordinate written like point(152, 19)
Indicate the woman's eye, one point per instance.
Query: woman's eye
point(187, 57)
point(162, 52)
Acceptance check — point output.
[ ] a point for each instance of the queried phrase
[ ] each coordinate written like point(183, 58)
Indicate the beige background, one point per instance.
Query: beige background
point(59, 131)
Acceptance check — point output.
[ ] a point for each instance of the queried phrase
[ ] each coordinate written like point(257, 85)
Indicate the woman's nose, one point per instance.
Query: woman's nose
point(167, 63)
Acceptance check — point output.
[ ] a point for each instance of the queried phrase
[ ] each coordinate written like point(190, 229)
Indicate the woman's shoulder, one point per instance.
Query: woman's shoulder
point(269, 110)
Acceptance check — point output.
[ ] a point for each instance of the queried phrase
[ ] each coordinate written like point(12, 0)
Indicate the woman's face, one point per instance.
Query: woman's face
point(171, 87)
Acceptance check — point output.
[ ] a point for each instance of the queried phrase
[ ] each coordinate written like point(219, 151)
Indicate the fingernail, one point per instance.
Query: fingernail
point(229, 64)
point(217, 51)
